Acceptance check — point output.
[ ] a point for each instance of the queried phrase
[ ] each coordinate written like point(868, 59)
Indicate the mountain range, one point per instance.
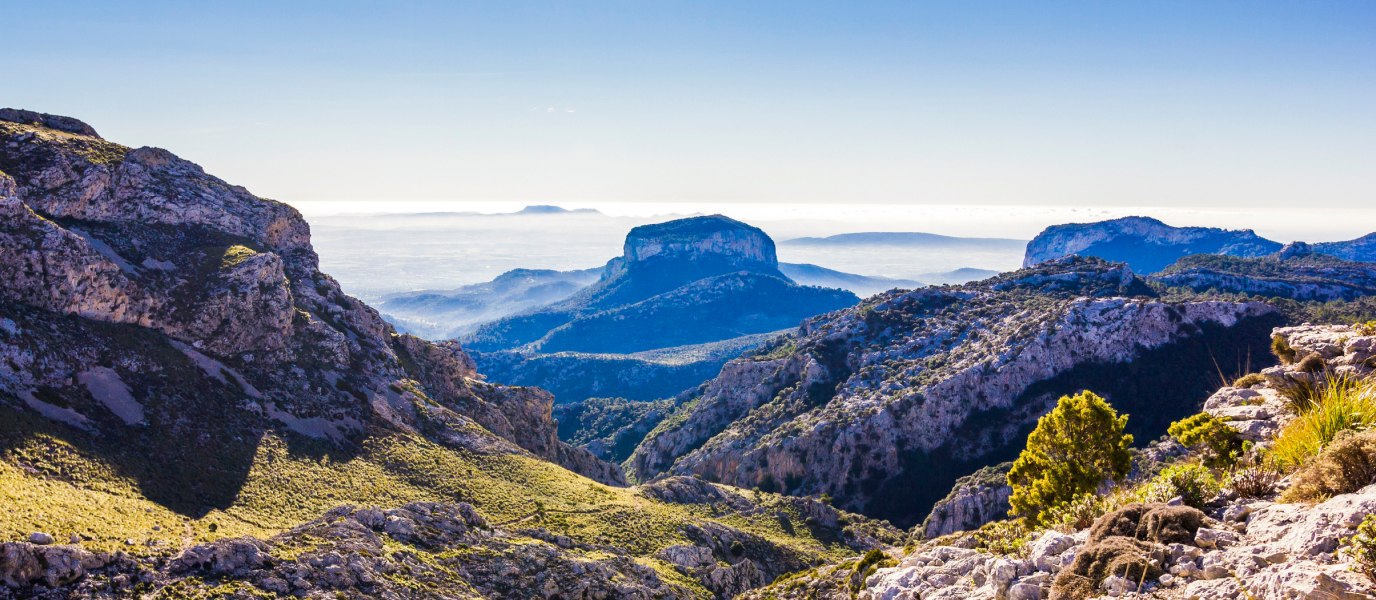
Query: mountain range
point(1148, 245)
point(191, 408)
point(193, 404)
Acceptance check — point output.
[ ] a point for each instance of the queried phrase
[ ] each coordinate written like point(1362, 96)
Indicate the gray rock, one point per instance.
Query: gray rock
point(1214, 538)
point(1025, 591)
point(40, 538)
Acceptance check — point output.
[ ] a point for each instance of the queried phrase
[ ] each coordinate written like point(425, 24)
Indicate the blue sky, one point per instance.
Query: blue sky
point(1035, 103)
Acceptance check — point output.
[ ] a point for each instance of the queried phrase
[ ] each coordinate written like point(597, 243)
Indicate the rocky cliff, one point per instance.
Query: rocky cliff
point(884, 405)
point(1296, 272)
point(690, 281)
point(715, 238)
point(976, 499)
point(181, 389)
point(1252, 545)
point(1146, 244)
point(112, 236)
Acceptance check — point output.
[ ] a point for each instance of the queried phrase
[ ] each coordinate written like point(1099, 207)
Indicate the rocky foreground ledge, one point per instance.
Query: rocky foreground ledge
point(1235, 548)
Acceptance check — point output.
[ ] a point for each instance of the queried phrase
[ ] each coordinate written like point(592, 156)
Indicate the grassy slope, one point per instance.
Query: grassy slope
point(64, 489)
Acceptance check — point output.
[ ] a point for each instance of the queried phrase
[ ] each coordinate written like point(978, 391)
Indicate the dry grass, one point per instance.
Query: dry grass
point(286, 488)
point(1345, 466)
point(1336, 407)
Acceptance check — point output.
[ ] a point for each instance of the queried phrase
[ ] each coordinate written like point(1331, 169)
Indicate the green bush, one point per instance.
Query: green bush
point(1362, 548)
point(1249, 380)
point(1077, 514)
point(1008, 538)
point(1220, 442)
point(1074, 449)
point(1191, 482)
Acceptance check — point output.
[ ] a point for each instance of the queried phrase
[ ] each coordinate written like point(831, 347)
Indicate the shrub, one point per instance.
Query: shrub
point(1349, 464)
point(872, 561)
point(1281, 348)
point(1221, 442)
point(1339, 406)
point(1077, 514)
point(1249, 380)
point(1008, 538)
point(1362, 548)
point(1367, 328)
point(1254, 482)
point(737, 548)
point(1074, 449)
point(1191, 482)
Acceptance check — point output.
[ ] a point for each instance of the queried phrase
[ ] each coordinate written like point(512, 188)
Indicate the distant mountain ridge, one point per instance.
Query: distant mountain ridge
point(901, 238)
point(688, 281)
point(1149, 245)
point(862, 285)
point(444, 314)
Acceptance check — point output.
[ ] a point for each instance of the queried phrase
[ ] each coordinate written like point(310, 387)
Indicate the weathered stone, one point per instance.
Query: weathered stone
point(1214, 538)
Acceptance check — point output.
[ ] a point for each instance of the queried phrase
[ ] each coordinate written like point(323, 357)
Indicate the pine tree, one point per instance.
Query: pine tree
point(1074, 448)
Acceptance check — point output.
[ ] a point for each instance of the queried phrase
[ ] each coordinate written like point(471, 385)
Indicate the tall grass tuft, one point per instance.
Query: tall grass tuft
point(1337, 406)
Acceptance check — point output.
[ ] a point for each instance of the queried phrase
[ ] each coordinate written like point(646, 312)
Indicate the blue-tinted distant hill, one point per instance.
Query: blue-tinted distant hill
point(1148, 245)
point(444, 314)
point(862, 285)
point(688, 281)
point(905, 238)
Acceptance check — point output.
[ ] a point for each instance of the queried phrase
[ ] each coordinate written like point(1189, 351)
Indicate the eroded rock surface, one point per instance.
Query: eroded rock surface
point(134, 264)
point(894, 386)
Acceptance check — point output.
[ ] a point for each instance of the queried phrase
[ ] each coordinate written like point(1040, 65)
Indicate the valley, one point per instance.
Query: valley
point(190, 407)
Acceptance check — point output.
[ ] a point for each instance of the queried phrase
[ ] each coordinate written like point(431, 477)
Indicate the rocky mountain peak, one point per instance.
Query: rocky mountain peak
point(58, 122)
point(712, 237)
point(1143, 242)
point(1293, 250)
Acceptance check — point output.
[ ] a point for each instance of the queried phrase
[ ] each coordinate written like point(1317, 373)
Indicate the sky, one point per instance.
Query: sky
point(1191, 105)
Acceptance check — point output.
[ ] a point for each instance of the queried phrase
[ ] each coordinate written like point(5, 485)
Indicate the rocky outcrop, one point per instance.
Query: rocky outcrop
point(136, 264)
point(1273, 552)
point(877, 402)
point(55, 122)
point(1236, 547)
point(1296, 272)
point(688, 281)
point(1148, 245)
point(975, 499)
point(695, 239)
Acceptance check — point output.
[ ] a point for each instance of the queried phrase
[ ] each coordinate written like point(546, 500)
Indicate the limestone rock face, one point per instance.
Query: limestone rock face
point(721, 238)
point(1146, 244)
point(197, 303)
point(834, 409)
point(974, 500)
point(1296, 272)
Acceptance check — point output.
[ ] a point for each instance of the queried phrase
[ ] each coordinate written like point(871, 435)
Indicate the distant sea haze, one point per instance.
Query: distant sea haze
point(787, 221)
point(374, 251)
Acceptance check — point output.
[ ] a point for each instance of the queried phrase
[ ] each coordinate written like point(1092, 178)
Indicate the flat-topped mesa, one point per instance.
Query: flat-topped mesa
point(713, 238)
point(1145, 243)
